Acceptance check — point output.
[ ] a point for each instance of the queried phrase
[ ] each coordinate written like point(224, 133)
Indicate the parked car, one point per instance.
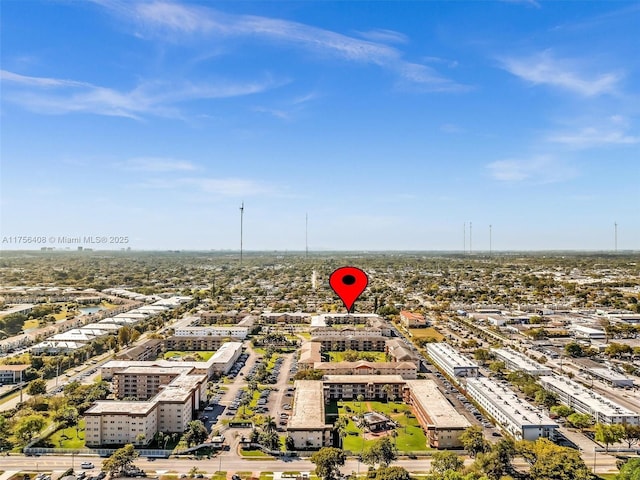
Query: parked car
point(86, 465)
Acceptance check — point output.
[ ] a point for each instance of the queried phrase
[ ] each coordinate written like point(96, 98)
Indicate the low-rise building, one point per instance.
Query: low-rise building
point(406, 370)
point(612, 378)
point(584, 400)
point(149, 349)
point(309, 354)
point(442, 423)
point(398, 351)
point(413, 320)
point(358, 343)
point(10, 374)
point(307, 425)
point(516, 416)
point(517, 361)
point(588, 333)
point(371, 387)
point(451, 362)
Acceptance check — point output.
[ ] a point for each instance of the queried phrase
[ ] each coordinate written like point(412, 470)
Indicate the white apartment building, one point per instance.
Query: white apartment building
point(584, 400)
point(307, 424)
point(112, 422)
point(517, 361)
point(454, 364)
point(517, 417)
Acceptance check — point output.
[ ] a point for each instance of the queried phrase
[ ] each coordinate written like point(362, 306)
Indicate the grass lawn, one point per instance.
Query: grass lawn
point(68, 437)
point(201, 356)
point(607, 476)
point(29, 324)
point(266, 475)
point(426, 332)
point(253, 453)
point(339, 356)
point(410, 436)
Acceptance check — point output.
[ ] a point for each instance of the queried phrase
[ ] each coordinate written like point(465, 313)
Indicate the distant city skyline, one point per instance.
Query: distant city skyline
point(336, 125)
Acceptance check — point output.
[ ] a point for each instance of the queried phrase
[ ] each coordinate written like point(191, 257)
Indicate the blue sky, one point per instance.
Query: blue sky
point(390, 124)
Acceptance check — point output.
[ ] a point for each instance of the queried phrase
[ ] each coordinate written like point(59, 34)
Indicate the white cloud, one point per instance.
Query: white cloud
point(383, 35)
point(55, 96)
point(544, 69)
point(153, 164)
point(594, 137)
point(224, 187)
point(539, 169)
point(171, 21)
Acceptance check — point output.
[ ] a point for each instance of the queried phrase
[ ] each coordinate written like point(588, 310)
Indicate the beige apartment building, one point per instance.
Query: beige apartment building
point(406, 370)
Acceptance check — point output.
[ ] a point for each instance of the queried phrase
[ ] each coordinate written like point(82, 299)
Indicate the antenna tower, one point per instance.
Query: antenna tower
point(490, 240)
point(615, 228)
point(306, 235)
point(241, 225)
point(464, 238)
point(470, 238)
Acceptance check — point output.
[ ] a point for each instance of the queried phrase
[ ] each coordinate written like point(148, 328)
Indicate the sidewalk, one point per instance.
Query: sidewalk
point(8, 474)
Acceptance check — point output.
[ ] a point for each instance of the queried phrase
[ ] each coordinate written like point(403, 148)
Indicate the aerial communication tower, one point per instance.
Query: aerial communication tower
point(241, 225)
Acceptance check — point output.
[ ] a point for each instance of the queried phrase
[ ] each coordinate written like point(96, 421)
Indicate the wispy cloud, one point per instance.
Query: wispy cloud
point(157, 165)
point(567, 74)
point(224, 187)
point(57, 96)
point(173, 21)
point(605, 131)
point(537, 170)
point(385, 36)
point(594, 137)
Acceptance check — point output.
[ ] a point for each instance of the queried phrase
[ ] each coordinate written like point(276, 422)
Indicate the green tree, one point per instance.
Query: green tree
point(573, 349)
point(445, 460)
point(561, 410)
point(473, 440)
point(552, 462)
point(196, 433)
point(29, 426)
point(392, 473)
point(328, 461)
point(120, 460)
point(608, 434)
point(546, 398)
point(67, 416)
point(497, 367)
point(37, 387)
point(630, 470)
point(631, 434)
point(289, 443)
point(580, 420)
point(482, 355)
point(382, 451)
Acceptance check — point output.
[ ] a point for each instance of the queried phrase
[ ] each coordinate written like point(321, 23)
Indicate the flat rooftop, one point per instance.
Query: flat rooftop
point(454, 358)
point(226, 352)
point(308, 406)
point(441, 413)
point(522, 362)
point(610, 375)
point(121, 408)
point(595, 401)
point(520, 411)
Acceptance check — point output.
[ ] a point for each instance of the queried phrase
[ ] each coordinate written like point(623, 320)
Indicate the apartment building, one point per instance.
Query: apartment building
point(442, 423)
point(399, 351)
point(517, 417)
point(413, 320)
point(584, 400)
point(371, 387)
point(309, 354)
point(406, 370)
point(110, 422)
point(10, 374)
point(517, 361)
point(359, 343)
point(454, 364)
point(307, 424)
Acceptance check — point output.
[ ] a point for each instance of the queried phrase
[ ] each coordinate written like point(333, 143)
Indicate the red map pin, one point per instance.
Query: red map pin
point(348, 283)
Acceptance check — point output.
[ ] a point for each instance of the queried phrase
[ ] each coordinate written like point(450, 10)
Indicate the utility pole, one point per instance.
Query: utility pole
point(241, 224)
point(464, 238)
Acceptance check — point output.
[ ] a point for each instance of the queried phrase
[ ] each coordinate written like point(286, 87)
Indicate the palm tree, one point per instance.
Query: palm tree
point(269, 424)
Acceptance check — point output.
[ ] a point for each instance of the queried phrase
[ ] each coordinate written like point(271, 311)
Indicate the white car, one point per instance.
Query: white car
point(86, 465)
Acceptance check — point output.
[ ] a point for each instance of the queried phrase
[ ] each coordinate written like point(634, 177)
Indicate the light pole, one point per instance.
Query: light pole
point(594, 460)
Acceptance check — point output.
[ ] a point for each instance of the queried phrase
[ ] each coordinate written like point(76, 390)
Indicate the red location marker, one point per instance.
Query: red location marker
point(348, 283)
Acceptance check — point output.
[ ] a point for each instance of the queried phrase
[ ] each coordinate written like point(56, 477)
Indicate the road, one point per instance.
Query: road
point(604, 464)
